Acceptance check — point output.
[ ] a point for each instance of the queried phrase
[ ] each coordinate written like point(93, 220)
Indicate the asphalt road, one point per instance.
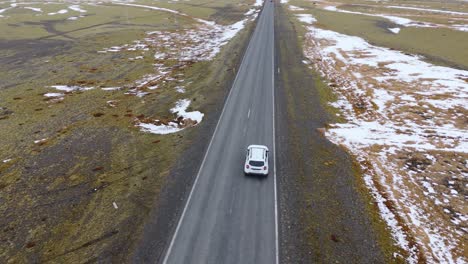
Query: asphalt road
point(229, 217)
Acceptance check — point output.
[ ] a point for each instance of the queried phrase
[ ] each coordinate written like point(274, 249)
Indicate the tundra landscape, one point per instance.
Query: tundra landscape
point(92, 94)
point(111, 112)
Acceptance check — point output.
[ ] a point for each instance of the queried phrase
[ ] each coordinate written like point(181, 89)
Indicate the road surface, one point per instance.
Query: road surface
point(231, 218)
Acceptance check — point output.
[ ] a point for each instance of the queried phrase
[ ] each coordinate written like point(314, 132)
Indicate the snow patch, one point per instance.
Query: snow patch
point(77, 8)
point(72, 88)
point(180, 89)
point(63, 11)
point(250, 12)
point(258, 3)
point(54, 94)
point(395, 30)
point(40, 141)
point(181, 110)
point(111, 88)
point(7, 8)
point(35, 9)
point(295, 8)
point(306, 18)
point(184, 119)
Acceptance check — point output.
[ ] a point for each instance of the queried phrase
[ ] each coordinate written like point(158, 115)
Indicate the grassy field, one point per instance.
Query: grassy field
point(221, 11)
point(440, 46)
point(77, 178)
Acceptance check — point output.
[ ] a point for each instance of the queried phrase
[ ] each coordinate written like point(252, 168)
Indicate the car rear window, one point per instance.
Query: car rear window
point(256, 163)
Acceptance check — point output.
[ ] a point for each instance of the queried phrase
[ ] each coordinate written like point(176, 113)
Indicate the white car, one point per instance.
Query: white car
point(256, 160)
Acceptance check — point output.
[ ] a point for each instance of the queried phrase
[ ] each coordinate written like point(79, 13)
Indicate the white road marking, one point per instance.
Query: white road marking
point(168, 253)
point(248, 114)
point(278, 70)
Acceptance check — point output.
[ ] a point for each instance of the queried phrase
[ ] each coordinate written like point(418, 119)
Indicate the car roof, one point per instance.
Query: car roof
point(257, 152)
point(258, 146)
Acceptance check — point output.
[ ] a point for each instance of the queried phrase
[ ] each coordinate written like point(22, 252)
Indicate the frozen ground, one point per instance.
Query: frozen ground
point(406, 123)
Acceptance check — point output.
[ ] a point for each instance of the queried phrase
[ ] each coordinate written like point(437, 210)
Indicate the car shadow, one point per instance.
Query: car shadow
point(257, 177)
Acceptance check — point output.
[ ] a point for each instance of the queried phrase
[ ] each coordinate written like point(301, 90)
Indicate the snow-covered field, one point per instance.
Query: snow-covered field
point(406, 122)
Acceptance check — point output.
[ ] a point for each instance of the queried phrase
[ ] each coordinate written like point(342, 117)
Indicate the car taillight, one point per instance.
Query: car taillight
point(264, 167)
point(247, 166)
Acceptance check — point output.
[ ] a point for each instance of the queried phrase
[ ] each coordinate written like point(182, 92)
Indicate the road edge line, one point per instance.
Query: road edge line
point(174, 236)
point(274, 145)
